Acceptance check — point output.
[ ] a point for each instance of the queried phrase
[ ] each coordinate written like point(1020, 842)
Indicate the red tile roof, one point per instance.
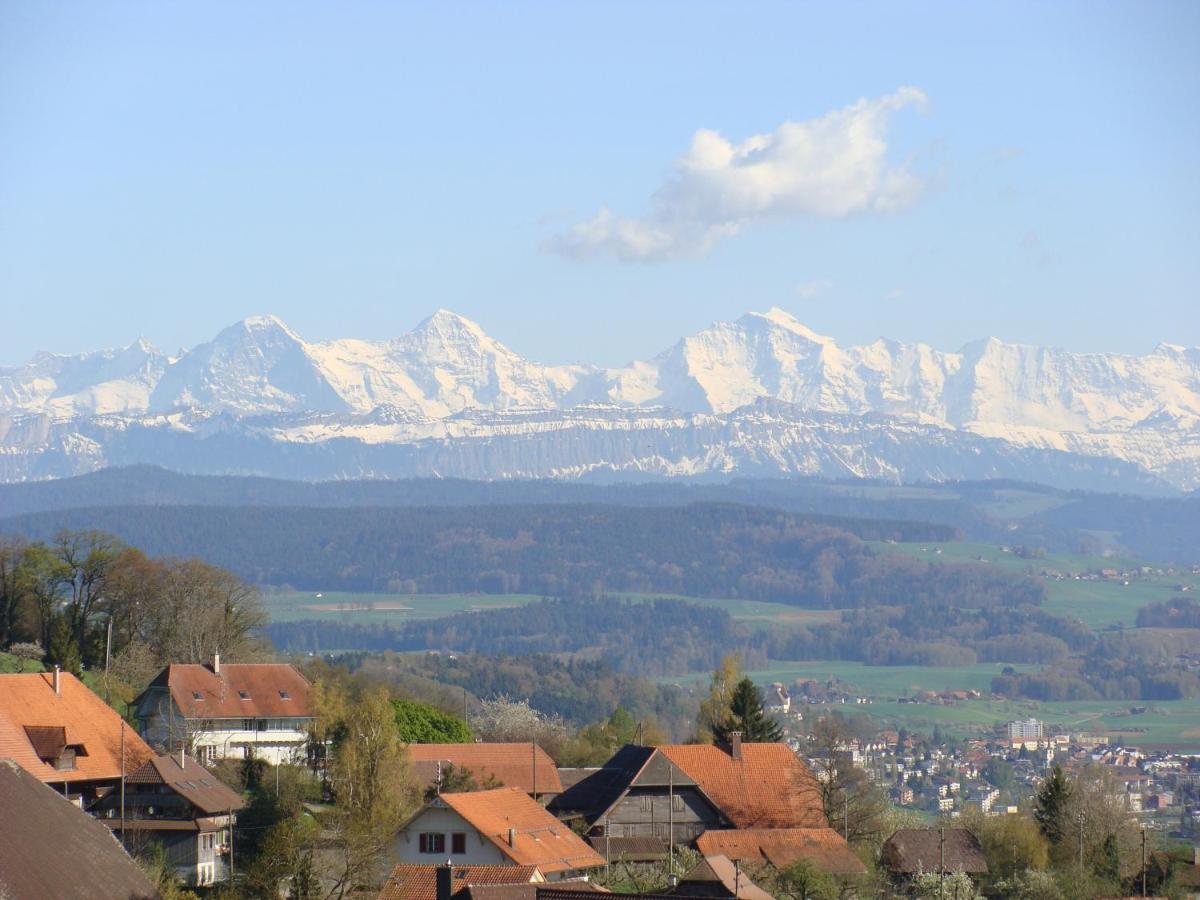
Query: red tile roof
point(29, 701)
point(419, 882)
point(240, 690)
point(538, 838)
point(51, 848)
point(823, 847)
point(718, 870)
point(769, 787)
point(510, 764)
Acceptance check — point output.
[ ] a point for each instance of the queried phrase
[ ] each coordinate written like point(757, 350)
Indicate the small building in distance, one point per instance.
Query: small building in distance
point(911, 851)
point(500, 827)
point(176, 803)
point(49, 848)
point(719, 877)
point(524, 766)
point(223, 710)
point(60, 732)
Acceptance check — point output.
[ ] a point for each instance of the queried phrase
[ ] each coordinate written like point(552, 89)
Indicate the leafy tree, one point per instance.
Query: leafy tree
point(747, 716)
point(853, 804)
point(932, 886)
point(800, 881)
point(419, 723)
point(715, 708)
point(1011, 844)
point(1050, 807)
point(372, 786)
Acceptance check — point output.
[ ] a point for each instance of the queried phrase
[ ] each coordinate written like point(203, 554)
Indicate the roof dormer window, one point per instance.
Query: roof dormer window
point(244, 695)
point(196, 695)
point(284, 695)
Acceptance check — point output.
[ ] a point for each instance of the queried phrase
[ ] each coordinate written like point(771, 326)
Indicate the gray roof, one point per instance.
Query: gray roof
point(54, 849)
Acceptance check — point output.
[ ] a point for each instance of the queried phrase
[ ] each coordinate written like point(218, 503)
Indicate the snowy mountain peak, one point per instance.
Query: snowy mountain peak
point(784, 319)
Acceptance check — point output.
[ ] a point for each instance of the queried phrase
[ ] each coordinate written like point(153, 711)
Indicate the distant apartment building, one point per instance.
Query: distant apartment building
point(1025, 728)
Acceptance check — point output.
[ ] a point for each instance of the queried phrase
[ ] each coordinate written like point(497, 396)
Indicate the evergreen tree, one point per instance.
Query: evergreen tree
point(747, 716)
point(1050, 808)
point(64, 651)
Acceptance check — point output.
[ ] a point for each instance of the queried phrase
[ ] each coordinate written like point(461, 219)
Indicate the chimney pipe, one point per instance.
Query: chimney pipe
point(444, 876)
point(57, 683)
point(182, 759)
point(216, 663)
point(735, 744)
point(512, 837)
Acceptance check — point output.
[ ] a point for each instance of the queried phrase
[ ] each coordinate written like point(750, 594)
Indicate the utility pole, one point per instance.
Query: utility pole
point(107, 657)
point(122, 751)
point(231, 846)
point(846, 817)
point(941, 862)
point(1143, 860)
point(1079, 818)
point(533, 755)
point(671, 819)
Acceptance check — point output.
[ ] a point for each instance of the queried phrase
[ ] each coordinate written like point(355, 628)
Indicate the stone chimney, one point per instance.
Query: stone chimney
point(216, 663)
point(735, 744)
point(444, 881)
point(57, 683)
point(512, 837)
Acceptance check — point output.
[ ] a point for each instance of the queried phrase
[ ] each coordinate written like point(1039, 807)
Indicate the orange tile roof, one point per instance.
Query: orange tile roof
point(538, 838)
point(221, 695)
point(823, 847)
point(510, 764)
point(419, 882)
point(769, 787)
point(29, 700)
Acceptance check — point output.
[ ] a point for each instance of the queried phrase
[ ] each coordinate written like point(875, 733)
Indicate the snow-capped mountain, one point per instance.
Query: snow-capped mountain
point(761, 394)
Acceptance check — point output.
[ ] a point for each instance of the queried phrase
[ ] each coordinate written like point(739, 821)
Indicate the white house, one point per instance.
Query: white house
point(502, 827)
point(216, 711)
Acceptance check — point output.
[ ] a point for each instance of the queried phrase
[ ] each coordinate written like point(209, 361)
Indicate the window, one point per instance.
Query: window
point(432, 842)
point(243, 695)
point(458, 843)
point(66, 760)
point(647, 803)
point(677, 802)
point(196, 695)
point(247, 724)
point(283, 695)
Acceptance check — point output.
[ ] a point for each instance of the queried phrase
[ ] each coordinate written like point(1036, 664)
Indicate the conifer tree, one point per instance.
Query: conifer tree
point(747, 716)
point(1050, 808)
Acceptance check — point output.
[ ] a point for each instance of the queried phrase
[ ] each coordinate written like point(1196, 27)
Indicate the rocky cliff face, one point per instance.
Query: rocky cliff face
point(761, 394)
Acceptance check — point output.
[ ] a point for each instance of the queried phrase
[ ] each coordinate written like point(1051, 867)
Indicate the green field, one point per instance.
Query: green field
point(1100, 604)
point(291, 606)
point(376, 608)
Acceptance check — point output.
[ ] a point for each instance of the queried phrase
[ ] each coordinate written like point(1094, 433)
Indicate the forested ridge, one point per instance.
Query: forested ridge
point(1154, 528)
point(703, 550)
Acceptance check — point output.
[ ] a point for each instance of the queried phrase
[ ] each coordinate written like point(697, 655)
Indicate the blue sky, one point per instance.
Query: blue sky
point(952, 171)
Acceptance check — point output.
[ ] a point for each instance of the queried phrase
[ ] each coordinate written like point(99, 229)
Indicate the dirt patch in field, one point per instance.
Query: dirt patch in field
point(345, 607)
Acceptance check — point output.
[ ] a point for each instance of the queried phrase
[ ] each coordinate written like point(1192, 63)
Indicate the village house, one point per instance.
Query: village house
point(911, 851)
point(451, 882)
point(49, 848)
point(217, 711)
point(176, 803)
point(676, 792)
point(719, 878)
point(500, 827)
point(524, 766)
point(823, 848)
point(60, 732)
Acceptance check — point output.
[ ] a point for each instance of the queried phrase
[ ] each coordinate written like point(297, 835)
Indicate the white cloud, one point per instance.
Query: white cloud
point(833, 166)
point(808, 290)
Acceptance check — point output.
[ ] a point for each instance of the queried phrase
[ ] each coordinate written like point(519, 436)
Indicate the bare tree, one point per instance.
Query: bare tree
point(854, 806)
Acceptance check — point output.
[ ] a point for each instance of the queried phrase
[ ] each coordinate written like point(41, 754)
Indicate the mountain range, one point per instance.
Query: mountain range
point(761, 395)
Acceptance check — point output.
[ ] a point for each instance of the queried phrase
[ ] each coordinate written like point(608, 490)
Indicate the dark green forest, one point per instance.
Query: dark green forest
point(701, 550)
point(1154, 528)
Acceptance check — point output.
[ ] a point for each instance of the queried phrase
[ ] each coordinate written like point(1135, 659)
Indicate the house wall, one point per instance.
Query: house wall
point(647, 812)
point(406, 848)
